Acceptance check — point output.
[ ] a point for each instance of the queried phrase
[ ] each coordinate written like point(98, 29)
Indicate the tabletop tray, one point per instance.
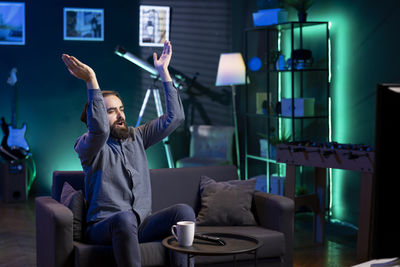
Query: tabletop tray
point(235, 244)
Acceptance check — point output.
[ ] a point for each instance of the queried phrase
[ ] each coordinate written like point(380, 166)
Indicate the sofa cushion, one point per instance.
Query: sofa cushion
point(273, 247)
point(181, 185)
point(74, 200)
point(226, 203)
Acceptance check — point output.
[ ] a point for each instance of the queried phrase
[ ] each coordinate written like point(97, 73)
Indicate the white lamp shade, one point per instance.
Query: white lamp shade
point(231, 70)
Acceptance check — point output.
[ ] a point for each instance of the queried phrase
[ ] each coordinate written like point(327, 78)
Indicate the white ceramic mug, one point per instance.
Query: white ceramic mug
point(184, 233)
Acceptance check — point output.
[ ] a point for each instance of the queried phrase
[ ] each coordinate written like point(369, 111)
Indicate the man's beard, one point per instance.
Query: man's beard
point(119, 132)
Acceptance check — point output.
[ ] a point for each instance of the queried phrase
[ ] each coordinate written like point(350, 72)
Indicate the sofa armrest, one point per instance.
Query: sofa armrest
point(274, 211)
point(54, 239)
point(277, 213)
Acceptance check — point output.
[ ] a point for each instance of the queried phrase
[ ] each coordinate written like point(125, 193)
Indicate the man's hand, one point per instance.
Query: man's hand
point(162, 63)
point(81, 71)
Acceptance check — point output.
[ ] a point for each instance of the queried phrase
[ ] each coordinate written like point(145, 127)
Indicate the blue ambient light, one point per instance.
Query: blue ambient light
point(255, 64)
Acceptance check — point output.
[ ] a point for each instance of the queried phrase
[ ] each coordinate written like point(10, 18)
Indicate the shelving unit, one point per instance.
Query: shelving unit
point(267, 86)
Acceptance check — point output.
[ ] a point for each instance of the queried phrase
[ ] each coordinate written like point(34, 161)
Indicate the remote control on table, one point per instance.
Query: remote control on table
point(213, 239)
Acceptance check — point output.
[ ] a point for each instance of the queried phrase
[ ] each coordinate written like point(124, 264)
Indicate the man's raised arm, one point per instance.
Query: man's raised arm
point(89, 144)
point(81, 71)
point(162, 63)
point(161, 127)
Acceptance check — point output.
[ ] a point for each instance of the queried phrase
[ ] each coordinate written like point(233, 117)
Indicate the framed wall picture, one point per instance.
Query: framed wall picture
point(12, 23)
point(153, 25)
point(83, 24)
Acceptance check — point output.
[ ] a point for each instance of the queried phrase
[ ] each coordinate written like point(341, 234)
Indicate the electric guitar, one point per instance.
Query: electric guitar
point(13, 145)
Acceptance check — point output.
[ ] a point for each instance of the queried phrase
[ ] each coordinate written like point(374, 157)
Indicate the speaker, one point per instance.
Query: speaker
point(385, 230)
point(14, 182)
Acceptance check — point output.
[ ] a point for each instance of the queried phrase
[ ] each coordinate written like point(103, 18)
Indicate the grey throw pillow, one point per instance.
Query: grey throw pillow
point(226, 203)
point(75, 201)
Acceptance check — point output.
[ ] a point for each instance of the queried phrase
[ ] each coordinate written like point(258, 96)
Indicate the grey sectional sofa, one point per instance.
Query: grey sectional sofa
point(275, 217)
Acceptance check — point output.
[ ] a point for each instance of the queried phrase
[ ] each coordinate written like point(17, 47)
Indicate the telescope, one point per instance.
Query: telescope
point(120, 51)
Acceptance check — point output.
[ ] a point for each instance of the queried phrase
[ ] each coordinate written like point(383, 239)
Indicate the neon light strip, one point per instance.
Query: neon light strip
point(330, 169)
point(330, 119)
point(281, 167)
point(280, 85)
point(329, 56)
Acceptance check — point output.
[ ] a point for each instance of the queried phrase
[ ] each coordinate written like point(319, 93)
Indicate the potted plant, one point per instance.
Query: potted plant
point(301, 7)
point(301, 190)
point(272, 142)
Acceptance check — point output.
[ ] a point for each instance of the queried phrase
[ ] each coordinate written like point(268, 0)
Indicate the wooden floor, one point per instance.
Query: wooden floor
point(17, 240)
point(17, 235)
point(339, 249)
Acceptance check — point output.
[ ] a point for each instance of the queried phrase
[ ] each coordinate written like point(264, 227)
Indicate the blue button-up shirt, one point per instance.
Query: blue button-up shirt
point(116, 171)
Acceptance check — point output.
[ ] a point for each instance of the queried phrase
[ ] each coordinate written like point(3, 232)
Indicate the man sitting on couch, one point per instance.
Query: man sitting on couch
point(117, 181)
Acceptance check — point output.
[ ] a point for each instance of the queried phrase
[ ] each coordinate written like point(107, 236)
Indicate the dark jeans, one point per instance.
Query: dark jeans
point(122, 231)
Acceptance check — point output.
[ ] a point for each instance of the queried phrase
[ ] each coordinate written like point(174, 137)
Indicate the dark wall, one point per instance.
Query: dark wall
point(50, 100)
point(365, 49)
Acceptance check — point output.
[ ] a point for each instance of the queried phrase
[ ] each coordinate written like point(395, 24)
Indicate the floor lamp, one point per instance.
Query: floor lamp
point(231, 72)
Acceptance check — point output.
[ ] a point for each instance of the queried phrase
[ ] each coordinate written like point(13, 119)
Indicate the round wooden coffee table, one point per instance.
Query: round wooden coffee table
point(234, 244)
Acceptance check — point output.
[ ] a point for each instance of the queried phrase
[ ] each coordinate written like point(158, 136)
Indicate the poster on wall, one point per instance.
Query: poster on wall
point(12, 23)
point(153, 25)
point(83, 24)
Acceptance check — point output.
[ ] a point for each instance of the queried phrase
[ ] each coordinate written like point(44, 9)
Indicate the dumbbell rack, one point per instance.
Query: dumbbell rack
point(330, 155)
